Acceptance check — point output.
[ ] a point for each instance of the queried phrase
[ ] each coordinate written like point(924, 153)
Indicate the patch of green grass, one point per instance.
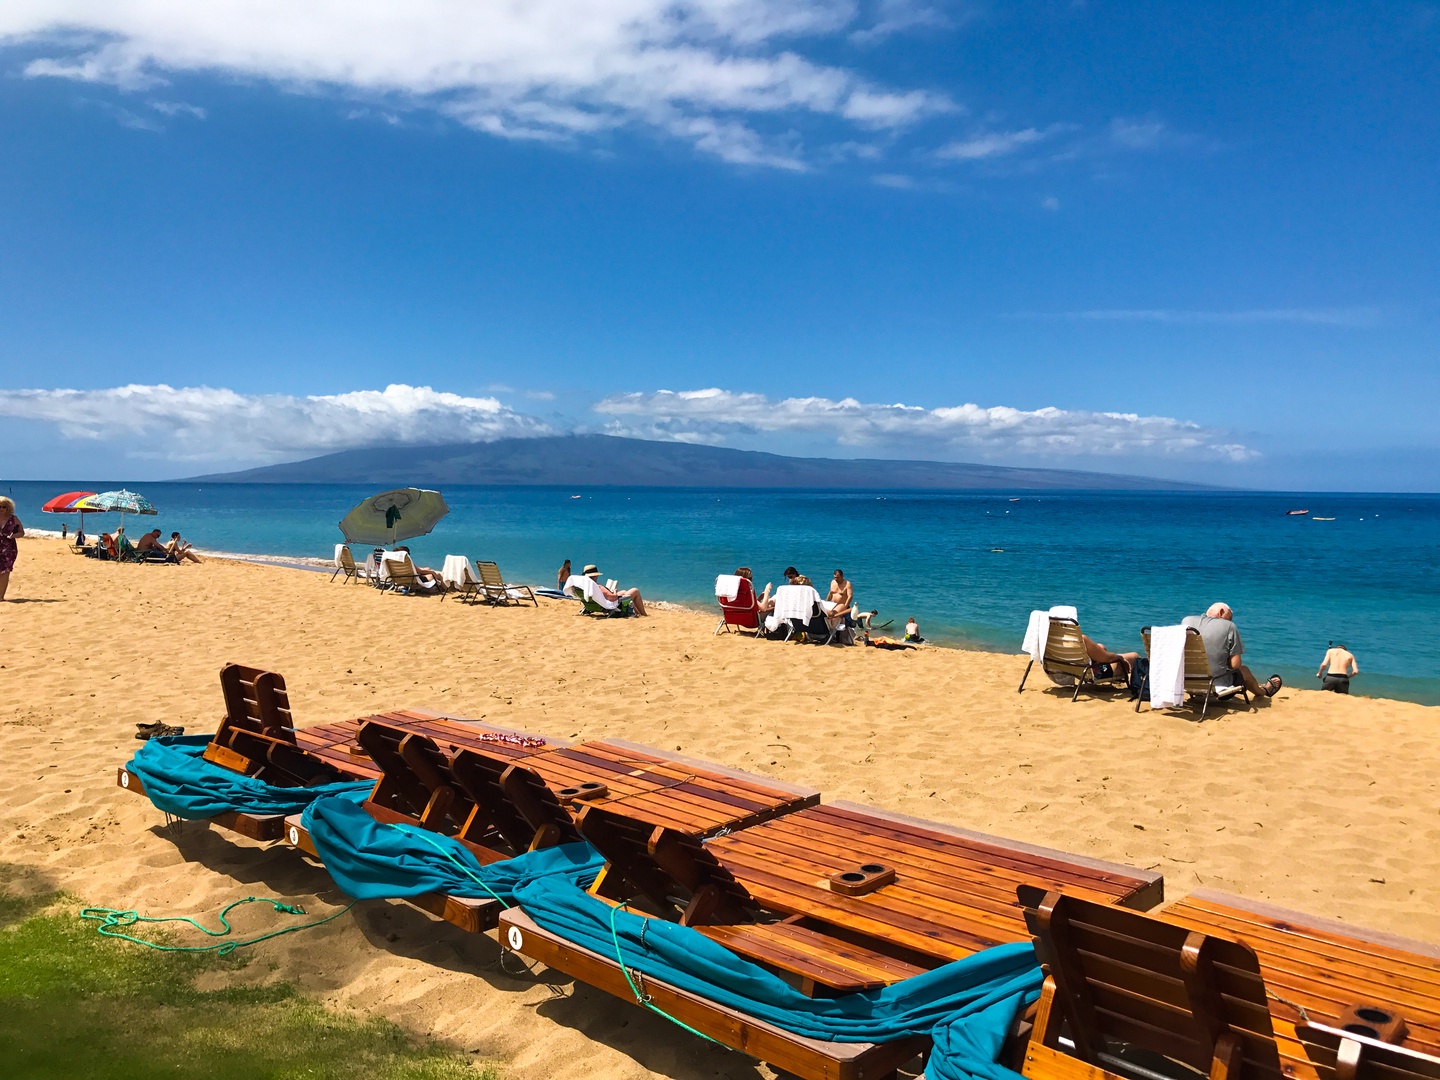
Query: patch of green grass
point(76, 1005)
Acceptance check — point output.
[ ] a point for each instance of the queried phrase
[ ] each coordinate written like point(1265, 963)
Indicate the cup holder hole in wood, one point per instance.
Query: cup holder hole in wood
point(864, 879)
point(1374, 1022)
point(583, 792)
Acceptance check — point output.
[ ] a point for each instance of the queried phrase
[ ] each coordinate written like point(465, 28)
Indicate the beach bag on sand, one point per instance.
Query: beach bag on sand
point(1139, 673)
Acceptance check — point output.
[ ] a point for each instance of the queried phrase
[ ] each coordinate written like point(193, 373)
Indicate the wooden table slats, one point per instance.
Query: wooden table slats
point(954, 892)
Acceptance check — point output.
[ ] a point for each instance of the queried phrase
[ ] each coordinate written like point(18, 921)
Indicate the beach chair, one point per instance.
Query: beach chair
point(1199, 680)
point(739, 609)
point(461, 581)
point(591, 601)
point(398, 575)
point(1132, 996)
point(1326, 973)
point(498, 591)
point(1351, 1056)
point(416, 787)
point(345, 564)
point(257, 736)
point(681, 881)
point(798, 614)
point(1065, 658)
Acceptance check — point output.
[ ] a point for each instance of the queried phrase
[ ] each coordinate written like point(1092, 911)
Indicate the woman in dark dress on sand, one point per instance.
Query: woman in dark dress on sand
point(10, 528)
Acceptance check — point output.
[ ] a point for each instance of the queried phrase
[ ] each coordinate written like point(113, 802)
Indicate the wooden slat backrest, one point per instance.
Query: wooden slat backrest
point(1126, 977)
point(669, 868)
point(255, 699)
point(1355, 1057)
point(490, 574)
point(415, 781)
point(515, 798)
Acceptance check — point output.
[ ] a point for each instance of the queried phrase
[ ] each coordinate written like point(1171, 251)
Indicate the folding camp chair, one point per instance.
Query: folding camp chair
point(743, 611)
point(1199, 679)
point(1065, 657)
point(497, 590)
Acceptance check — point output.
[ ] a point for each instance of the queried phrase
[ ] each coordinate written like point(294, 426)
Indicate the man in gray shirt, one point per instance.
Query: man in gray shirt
point(1223, 648)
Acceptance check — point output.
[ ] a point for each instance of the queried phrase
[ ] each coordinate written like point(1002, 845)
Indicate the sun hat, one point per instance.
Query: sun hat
point(591, 570)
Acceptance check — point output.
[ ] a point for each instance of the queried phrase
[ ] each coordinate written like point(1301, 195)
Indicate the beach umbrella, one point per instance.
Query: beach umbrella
point(126, 502)
point(394, 515)
point(65, 504)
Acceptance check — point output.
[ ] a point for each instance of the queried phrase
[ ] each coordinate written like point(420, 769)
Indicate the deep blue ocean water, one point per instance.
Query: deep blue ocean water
point(1368, 578)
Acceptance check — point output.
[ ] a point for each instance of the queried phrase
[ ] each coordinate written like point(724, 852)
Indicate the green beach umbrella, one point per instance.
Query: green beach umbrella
point(126, 502)
point(394, 515)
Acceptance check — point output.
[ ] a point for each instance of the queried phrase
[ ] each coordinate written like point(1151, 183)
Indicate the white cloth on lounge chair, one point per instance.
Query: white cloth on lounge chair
point(338, 549)
point(591, 591)
point(1037, 633)
point(388, 557)
point(795, 602)
point(1167, 667)
point(457, 571)
point(727, 587)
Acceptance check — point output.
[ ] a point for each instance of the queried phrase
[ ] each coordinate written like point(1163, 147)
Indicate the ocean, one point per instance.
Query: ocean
point(969, 566)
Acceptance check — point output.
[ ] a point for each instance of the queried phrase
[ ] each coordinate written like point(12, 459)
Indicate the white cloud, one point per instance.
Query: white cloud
point(209, 424)
point(900, 16)
point(718, 416)
point(177, 108)
point(990, 144)
point(714, 72)
point(1339, 316)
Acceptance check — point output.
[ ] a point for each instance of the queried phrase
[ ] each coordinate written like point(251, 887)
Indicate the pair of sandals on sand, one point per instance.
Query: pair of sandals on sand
point(155, 731)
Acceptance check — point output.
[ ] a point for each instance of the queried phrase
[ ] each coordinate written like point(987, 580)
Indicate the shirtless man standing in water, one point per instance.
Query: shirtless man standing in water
point(1337, 667)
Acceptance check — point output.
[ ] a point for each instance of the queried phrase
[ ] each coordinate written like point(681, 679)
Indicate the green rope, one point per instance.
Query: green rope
point(644, 999)
point(457, 863)
point(114, 922)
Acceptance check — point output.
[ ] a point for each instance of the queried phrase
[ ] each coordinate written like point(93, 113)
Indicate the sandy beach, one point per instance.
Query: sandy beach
point(1314, 801)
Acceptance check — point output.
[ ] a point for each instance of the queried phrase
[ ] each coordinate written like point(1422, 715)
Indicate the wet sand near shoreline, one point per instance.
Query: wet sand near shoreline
point(1314, 801)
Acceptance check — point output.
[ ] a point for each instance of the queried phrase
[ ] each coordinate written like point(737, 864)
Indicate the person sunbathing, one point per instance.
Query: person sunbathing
point(616, 596)
point(1109, 664)
point(1224, 648)
point(149, 547)
point(425, 573)
point(179, 550)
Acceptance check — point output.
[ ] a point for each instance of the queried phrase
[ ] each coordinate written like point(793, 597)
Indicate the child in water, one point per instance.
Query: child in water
point(912, 632)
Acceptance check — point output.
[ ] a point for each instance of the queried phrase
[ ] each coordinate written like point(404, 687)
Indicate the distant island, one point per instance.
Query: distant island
point(608, 461)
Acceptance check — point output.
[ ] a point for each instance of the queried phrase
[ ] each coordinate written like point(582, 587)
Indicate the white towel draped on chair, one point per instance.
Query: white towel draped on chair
point(795, 602)
point(1037, 632)
point(590, 591)
point(338, 549)
point(458, 571)
point(1167, 667)
point(727, 587)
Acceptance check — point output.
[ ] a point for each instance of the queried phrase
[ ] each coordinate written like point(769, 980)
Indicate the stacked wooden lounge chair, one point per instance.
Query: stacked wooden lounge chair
point(834, 898)
point(1210, 988)
point(1325, 973)
point(500, 797)
point(257, 737)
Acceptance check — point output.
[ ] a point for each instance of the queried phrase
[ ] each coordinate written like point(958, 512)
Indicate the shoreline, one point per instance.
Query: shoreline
point(315, 564)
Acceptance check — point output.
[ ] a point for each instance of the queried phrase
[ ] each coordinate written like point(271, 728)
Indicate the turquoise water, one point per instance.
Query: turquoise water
point(1125, 560)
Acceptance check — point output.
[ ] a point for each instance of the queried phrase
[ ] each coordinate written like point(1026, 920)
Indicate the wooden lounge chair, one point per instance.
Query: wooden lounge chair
point(682, 882)
point(1065, 656)
point(1323, 972)
point(345, 564)
point(1349, 1056)
point(498, 591)
point(1137, 997)
point(257, 735)
point(399, 576)
point(1199, 680)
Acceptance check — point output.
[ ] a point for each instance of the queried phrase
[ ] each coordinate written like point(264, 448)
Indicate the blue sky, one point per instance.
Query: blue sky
point(1159, 239)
